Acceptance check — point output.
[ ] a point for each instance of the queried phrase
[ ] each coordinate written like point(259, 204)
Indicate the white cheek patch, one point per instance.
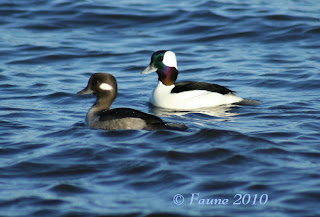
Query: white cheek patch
point(105, 86)
point(169, 59)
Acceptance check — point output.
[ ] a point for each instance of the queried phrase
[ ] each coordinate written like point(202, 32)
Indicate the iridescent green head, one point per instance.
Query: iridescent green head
point(165, 64)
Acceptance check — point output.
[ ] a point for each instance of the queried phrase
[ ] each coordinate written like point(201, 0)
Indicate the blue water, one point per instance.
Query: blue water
point(261, 160)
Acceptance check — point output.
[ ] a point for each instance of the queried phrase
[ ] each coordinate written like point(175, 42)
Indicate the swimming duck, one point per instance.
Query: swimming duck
point(104, 87)
point(185, 95)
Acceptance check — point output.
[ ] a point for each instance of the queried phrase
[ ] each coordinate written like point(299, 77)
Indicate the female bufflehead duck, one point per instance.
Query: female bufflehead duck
point(187, 94)
point(104, 86)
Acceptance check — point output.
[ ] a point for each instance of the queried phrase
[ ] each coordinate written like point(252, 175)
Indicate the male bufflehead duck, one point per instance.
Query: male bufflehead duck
point(104, 86)
point(187, 94)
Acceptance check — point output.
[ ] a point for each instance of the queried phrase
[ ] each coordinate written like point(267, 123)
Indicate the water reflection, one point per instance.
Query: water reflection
point(223, 111)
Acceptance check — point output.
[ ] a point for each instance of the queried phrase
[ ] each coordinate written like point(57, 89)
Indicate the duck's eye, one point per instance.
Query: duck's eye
point(160, 58)
point(95, 82)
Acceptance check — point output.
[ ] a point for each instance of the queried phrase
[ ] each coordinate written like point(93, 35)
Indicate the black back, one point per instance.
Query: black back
point(191, 85)
point(153, 122)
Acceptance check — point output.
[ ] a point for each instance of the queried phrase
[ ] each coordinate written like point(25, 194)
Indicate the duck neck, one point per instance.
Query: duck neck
point(103, 102)
point(167, 75)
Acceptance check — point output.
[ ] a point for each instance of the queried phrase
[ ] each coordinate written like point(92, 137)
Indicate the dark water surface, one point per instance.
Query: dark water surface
point(259, 160)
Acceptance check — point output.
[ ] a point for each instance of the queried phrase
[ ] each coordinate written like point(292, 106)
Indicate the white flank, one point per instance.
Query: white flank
point(163, 98)
point(169, 59)
point(105, 86)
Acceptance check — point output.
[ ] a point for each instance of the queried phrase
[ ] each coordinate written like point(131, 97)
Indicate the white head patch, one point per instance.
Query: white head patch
point(169, 59)
point(105, 86)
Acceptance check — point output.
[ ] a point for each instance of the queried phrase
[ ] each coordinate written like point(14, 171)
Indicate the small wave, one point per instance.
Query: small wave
point(68, 189)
